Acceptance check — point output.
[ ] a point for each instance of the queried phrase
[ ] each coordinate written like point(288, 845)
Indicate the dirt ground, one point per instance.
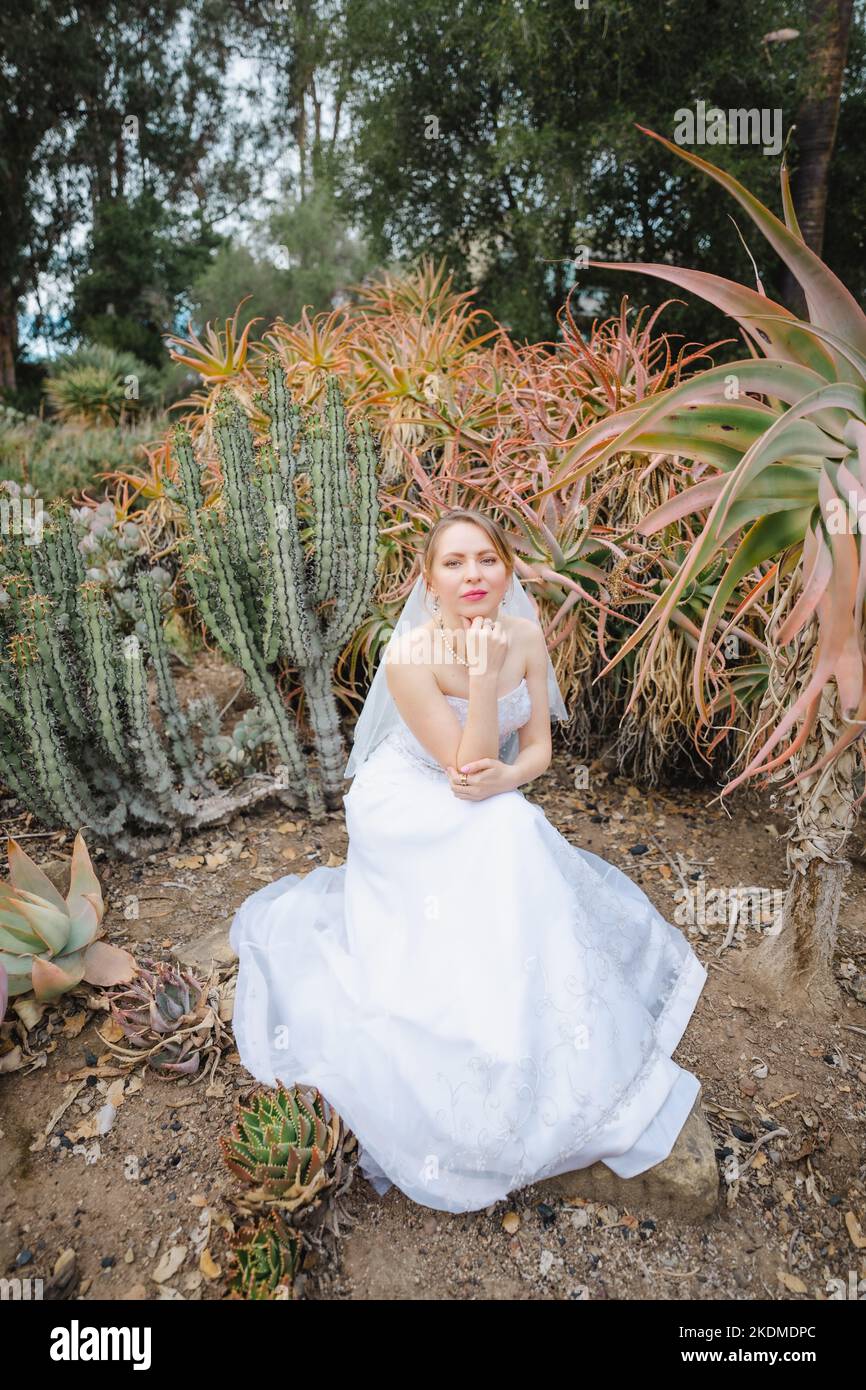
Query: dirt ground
point(146, 1207)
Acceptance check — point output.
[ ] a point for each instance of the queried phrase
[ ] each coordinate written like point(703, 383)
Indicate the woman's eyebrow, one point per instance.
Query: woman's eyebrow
point(461, 553)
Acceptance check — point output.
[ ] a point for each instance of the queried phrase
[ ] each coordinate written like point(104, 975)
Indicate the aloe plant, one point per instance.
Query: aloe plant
point(282, 1145)
point(49, 943)
point(780, 440)
point(267, 1257)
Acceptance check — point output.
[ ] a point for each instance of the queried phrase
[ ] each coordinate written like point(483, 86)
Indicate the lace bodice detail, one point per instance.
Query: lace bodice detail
point(515, 708)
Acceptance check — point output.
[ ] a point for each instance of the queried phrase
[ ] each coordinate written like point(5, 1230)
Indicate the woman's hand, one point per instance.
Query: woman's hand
point(485, 777)
point(487, 645)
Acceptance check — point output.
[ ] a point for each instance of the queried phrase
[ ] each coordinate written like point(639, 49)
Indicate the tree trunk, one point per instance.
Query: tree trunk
point(793, 965)
point(8, 338)
point(827, 35)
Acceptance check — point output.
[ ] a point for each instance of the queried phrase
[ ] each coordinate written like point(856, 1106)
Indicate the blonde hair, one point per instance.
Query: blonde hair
point(498, 538)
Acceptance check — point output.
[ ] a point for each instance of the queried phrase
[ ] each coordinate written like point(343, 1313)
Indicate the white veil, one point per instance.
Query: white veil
point(379, 714)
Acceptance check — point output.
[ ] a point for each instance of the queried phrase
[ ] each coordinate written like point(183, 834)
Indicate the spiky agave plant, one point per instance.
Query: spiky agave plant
point(780, 437)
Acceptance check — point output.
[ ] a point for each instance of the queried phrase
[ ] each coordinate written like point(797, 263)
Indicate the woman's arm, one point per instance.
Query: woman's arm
point(422, 706)
point(536, 748)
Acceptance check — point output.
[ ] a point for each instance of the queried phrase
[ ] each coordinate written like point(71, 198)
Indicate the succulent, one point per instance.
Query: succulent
point(283, 1143)
point(49, 943)
point(4, 991)
point(267, 1257)
point(96, 384)
point(235, 750)
point(113, 550)
point(165, 1014)
point(780, 440)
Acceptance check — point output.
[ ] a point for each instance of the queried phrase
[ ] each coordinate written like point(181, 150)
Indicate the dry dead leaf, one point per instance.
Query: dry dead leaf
point(858, 1240)
point(111, 1030)
point(30, 1011)
point(73, 1024)
point(169, 1264)
point(108, 965)
point(792, 1283)
point(115, 1095)
point(208, 1266)
point(12, 1060)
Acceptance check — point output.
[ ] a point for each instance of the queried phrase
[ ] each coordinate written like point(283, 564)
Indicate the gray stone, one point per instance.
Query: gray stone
point(211, 946)
point(684, 1186)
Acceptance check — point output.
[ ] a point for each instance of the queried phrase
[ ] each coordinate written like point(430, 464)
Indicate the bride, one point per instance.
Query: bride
point(484, 1003)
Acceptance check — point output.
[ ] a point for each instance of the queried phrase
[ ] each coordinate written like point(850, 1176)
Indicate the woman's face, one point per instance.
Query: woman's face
point(467, 574)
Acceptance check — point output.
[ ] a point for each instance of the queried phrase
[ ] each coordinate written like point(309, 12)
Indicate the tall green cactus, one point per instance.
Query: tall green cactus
point(283, 565)
point(78, 744)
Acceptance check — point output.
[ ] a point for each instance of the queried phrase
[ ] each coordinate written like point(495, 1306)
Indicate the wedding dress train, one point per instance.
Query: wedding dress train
point(484, 1003)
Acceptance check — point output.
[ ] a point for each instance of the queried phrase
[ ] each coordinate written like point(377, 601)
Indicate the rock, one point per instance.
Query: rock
point(213, 945)
point(58, 871)
point(684, 1186)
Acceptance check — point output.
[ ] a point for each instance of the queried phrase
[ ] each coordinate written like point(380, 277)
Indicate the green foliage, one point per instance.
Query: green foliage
point(58, 459)
point(504, 137)
point(300, 255)
point(91, 729)
point(48, 943)
point(97, 385)
point(267, 1257)
point(141, 263)
point(283, 1143)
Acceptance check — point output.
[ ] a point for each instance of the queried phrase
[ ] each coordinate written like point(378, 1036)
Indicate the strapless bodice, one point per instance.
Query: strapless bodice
point(514, 707)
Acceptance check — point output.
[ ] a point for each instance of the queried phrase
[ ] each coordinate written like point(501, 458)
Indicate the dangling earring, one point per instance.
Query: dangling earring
point(435, 603)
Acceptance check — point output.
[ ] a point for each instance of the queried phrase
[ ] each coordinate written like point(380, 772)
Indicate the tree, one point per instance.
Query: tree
point(827, 37)
point(504, 137)
point(40, 42)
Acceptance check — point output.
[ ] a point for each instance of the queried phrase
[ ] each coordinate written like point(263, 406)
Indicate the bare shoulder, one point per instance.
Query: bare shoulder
point(527, 634)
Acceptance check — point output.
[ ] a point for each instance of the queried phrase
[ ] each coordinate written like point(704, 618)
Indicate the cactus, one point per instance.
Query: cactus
point(48, 943)
point(283, 566)
point(78, 743)
point(267, 1257)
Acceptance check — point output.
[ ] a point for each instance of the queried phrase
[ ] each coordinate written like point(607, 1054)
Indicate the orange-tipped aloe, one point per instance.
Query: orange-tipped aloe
point(779, 439)
point(788, 470)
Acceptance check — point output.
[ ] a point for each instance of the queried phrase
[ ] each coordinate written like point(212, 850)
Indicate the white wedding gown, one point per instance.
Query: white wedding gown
point(482, 1002)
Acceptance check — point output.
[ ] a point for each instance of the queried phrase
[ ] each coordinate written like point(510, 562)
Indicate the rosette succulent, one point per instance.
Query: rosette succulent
point(284, 1143)
point(48, 943)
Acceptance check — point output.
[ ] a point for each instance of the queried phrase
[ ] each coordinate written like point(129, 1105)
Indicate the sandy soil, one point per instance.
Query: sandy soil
point(155, 1189)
